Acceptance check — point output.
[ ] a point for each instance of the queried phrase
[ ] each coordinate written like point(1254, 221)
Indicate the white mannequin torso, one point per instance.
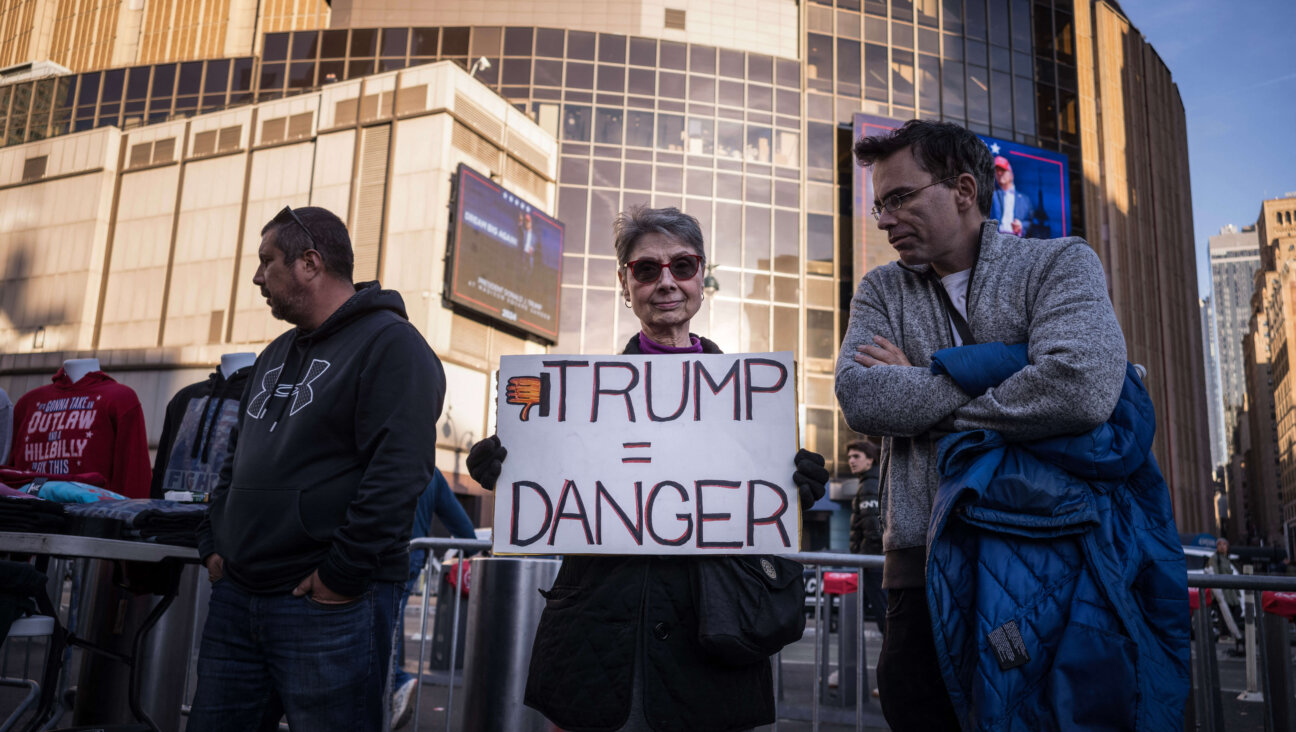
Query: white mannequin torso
point(231, 362)
point(77, 368)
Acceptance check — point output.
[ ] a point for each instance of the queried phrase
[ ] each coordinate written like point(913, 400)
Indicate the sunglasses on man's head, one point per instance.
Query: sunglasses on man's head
point(287, 211)
point(682, 267)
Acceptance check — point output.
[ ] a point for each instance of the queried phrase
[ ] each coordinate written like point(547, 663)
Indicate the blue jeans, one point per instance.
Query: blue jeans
point(398, 657)
point(324, 666)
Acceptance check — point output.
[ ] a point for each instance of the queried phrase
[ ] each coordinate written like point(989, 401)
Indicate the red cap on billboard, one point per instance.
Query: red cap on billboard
point(1002, 162)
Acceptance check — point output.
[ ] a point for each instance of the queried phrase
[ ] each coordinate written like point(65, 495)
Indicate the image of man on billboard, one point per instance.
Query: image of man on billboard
point(1010, 205)
point(506, 258)
point(1031, 194)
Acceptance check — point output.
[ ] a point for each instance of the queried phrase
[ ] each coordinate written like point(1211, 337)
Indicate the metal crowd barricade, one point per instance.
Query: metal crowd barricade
point(1270, 670)
point(432, 578)
point(1271, 642)
point(1204, 710)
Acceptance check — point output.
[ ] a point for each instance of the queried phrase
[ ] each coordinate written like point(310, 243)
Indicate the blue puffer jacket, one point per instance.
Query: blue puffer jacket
point(1054, 572)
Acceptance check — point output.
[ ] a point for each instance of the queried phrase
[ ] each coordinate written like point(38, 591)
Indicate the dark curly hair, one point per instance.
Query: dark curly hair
point(943, 149)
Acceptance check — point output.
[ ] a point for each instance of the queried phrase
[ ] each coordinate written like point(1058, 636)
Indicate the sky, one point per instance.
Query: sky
point(1234, 62)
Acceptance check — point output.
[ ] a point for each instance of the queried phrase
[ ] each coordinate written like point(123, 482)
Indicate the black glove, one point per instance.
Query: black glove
point(811, 477)
point(486, 459)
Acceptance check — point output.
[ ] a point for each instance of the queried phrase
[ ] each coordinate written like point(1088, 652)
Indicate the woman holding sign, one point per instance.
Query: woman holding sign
point(618, 644)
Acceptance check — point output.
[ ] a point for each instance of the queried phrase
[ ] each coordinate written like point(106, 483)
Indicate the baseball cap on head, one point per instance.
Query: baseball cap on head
point(1002, 162)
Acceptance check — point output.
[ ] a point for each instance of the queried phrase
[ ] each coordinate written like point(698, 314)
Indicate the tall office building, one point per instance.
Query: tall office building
point(1215, 406)
point(742, 116)
point(1274, 299)
point(1234, 257)
point(96, 34)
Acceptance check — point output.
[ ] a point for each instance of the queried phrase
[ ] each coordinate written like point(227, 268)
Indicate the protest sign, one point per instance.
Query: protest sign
point(666, 454)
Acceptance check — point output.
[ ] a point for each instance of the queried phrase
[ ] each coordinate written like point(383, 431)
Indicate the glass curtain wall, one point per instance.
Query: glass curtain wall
point(752, 145)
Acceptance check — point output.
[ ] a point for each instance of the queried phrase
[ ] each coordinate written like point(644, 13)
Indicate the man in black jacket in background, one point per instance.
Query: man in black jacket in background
point(866, 526)
point(307, 538)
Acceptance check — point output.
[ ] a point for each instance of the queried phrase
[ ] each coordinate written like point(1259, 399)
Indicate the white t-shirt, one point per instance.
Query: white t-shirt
point(956, 285)
point(1009, 207)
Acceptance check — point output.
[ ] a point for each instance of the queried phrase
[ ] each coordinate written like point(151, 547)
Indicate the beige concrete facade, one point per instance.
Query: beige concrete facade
point(1275, 292)
point(1261, 518)
point(1138, 213)
point(94, 34)
point(139, 247)
point(762, 26)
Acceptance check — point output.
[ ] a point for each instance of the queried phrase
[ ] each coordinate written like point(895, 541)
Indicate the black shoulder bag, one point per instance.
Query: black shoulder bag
point(748, 606)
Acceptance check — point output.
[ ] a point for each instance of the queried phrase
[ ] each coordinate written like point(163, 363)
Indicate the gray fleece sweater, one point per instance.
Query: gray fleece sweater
point(1050, 293)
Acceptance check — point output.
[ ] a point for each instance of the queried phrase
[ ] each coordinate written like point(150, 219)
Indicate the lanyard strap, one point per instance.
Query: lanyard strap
point(960, 323)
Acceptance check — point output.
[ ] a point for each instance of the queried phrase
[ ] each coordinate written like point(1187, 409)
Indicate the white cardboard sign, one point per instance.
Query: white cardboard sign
point(665, 454)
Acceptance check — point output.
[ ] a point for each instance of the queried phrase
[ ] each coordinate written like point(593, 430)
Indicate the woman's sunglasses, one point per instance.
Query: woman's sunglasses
point(682, 267)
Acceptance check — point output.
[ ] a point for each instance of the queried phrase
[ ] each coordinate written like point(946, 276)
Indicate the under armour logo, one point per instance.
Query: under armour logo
point(257, 408)
point(302, 394)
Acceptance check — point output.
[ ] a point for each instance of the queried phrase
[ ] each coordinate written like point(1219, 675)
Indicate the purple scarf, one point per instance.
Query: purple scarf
point(648, 345)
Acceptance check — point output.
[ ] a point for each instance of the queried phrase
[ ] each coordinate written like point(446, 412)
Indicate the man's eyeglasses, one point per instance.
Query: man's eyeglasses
point(682, 267)
point(287, 210)
point(893, 202)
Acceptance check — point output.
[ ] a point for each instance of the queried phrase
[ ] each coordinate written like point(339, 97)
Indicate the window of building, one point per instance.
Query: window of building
point(729, 140)
point(875, 73)
point(952, 16)
point(848, 67)
point(819, 62)
point(611, 78)
point(576, 123)
point(978, 95)
point(643, 52)
point(580, 76)
point(700, 137)
point(670, 132)
point(976, 19)
point(608, 126)
point(902, 78)
point(760, 69)
point(671, 85)
point(274, 47)
point(929, 83)
point(702, 89)
point(819, 237)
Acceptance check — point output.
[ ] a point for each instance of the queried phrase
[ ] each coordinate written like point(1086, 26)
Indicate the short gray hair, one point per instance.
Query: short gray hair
point(639, 220)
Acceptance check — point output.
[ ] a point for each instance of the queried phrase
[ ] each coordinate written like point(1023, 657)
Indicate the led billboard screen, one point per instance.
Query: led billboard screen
point(505, 257)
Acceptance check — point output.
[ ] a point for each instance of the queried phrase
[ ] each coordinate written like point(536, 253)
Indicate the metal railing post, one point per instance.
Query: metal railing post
point(454, 638)
point(1211, 717)
point(861, 663)
point(423, 624)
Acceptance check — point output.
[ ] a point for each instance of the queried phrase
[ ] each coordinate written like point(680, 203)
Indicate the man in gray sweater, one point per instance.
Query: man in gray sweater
point(959, 281)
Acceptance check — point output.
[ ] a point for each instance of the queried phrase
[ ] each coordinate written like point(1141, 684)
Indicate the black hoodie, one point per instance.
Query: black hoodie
point(196, 432)
point(333, 446)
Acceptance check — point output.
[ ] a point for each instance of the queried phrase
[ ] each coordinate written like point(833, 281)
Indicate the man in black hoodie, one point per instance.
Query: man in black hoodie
point(307, 537)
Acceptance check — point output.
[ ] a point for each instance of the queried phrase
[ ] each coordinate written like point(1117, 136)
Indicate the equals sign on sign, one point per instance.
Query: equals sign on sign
point(636, 446)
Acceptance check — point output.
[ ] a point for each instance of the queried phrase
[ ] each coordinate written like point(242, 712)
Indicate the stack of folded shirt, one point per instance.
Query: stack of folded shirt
point(32, 515)
point(166, 522)
point(68, 491)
